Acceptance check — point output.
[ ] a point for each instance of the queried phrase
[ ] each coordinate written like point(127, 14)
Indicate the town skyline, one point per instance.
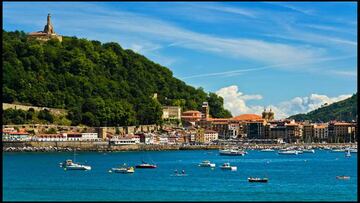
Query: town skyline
point(194, 47)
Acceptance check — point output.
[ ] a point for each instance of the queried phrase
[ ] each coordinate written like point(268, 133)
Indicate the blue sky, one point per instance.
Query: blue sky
point(288, 56)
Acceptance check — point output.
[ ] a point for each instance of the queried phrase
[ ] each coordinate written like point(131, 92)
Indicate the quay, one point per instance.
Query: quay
point(54, 146)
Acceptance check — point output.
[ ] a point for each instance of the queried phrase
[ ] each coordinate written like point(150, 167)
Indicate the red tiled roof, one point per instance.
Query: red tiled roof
point(244, 117)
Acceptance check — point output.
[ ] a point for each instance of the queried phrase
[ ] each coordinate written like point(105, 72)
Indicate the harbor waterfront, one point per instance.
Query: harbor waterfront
point(303, 177)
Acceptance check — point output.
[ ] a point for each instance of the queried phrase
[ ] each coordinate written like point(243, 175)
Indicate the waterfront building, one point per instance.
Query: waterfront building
point(76, 136)
point(210, 136)
point(163, 140)
point(47, 34)
point(191, 116)
point(321, 133)
point(15, 136)
point(49, 137)
point(277, 131)
point(339, 132)
point(125, 140)
point(171, 113)
point(199, 137)
point(255, 130)
point(308, 132)
point(293, 132)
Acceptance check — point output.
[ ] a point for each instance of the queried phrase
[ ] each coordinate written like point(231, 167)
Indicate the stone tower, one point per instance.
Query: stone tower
point(47, 34)
point(49, 29)
point(205, 110)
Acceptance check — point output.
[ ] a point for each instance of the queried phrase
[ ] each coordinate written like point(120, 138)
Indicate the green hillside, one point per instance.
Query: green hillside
point(100, 84)
point(345, 110)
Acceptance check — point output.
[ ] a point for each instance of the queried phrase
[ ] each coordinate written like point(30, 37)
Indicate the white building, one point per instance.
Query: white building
point(81, 136)
point(49, 137)
point(171, 112)
point(89, 136)
point(163, 140)
point(210, 135)
point(125, 140)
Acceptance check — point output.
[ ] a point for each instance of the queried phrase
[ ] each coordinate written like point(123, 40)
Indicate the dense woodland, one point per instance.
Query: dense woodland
point(100, 84)
point(345, 110)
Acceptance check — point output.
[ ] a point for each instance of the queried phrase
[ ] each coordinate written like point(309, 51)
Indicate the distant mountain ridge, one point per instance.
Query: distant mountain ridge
point(345, 110)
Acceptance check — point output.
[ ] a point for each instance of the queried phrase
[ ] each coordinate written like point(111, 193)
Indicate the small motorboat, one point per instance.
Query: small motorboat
point(258, 180)
point(145, 165)
point(206, 163)
point(70, 165)
point(226, 166)
point(123, 169)
point(343, 177)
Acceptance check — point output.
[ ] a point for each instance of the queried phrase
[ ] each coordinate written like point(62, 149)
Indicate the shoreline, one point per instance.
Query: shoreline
point(92, 147)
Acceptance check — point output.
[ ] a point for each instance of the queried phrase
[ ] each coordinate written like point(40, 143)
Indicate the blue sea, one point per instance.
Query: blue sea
point(304, 177)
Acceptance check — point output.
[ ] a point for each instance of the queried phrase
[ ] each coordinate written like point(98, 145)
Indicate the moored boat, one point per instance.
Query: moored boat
point(347, 154)
point(232, 152)
point(226, 166)
point(343, 177)
point(258, 180)
point(145, 165)
point(206, 163)
point(123, 169)
point(70, 165)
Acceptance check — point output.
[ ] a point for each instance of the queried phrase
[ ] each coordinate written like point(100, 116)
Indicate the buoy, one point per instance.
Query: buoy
point(110, 171)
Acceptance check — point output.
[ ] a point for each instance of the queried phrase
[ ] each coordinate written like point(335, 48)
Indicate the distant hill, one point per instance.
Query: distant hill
point(345, 110)
point(99, 84)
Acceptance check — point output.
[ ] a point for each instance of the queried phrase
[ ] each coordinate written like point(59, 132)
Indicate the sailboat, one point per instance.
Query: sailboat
point(348, 153)
point(71, 165)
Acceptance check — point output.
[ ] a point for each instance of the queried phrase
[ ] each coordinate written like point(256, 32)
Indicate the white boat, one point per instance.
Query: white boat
point(123, 169)
point(353, 150)
point(343, 177)
point(226, 166)
point(288, 152)
point(70, 165)
point(347, 154)
point(308, 151)
point(232, 152)
point(206, 163)
point(267, 150)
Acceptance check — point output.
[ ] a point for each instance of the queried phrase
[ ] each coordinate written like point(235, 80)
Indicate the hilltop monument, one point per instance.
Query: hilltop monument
point(47, 34)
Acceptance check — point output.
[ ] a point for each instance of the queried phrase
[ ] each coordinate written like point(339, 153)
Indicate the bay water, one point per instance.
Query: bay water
point(304, 177)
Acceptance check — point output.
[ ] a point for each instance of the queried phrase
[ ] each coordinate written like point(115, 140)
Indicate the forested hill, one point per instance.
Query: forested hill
point(100, 84)
point(345, 110)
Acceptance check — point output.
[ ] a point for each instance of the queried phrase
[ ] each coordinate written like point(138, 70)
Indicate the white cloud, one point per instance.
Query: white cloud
point(236, 102)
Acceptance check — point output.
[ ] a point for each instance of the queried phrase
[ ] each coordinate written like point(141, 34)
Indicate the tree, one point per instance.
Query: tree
point(46, 115)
